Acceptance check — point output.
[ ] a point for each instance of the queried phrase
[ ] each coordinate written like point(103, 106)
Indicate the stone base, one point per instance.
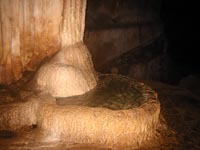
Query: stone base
point(131, 127)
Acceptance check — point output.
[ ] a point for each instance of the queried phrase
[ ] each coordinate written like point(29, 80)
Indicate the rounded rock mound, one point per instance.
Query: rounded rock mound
point(70, 72)
point(119, 112)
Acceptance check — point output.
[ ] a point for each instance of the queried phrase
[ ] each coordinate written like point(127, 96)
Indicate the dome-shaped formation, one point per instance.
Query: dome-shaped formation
point(70, 72)
point(61, 80)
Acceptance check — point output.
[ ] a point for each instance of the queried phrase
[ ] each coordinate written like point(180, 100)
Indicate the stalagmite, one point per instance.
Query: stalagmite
point(70, 72)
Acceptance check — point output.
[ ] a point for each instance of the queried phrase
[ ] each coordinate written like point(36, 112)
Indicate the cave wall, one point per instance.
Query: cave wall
point(29, 33)
point(32, 30)
point(114, 27)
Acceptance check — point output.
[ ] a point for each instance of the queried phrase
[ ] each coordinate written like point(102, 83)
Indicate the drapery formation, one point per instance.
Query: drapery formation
point(35, 29)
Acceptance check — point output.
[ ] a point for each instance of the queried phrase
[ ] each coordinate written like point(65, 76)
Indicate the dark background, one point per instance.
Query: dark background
point(179, 19)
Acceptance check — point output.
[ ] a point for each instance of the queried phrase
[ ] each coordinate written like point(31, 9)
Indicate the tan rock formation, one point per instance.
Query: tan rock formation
point(36, 29)
point(69, 73)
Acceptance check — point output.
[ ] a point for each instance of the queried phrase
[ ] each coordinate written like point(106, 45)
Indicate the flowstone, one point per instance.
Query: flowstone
point(119, 112)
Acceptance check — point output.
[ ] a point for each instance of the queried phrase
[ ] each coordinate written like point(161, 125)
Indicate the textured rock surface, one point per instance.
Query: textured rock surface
point(30, 32)
point(180, 112)
point(115, 27)
point(70, 72)
point(144, 63)
point(35, 30)
point(18, 115)
point(123, 127)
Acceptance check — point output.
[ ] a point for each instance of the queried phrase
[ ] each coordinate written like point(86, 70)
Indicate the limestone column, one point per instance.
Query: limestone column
point(73, 21)
point(70, 72)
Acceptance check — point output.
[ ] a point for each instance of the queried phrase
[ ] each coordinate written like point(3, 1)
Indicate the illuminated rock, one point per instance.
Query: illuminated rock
point(69, 73)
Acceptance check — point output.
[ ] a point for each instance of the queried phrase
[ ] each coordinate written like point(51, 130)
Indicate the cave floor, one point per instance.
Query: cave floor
point(180, 116)
point(180, 110)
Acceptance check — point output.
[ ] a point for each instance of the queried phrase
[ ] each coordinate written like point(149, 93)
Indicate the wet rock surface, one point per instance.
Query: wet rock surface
point(179, 114)
point(112, 92)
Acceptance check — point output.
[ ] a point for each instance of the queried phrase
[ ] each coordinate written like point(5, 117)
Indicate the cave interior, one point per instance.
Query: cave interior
point(76, 78)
